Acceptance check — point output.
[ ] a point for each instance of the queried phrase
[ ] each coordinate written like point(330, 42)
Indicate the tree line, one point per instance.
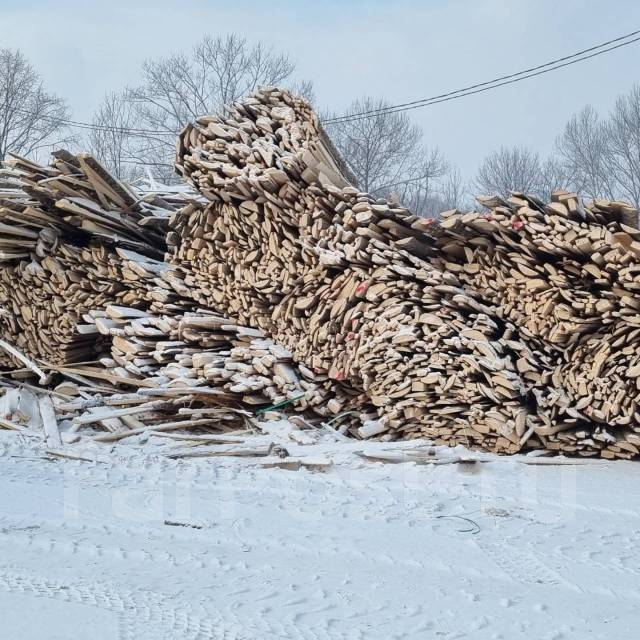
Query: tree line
point(594, 156)
point(133, 131)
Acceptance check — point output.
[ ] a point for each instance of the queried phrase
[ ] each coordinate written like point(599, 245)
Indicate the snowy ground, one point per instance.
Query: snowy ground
point(499, 549)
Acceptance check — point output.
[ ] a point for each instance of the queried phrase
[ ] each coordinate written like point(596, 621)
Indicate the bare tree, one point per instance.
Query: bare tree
point(30, 118)
point(111, 139)
point(421, 192)
point(582, 150)
point(177, 89)
point(622, 148)
point(554, 176)
point(600, 158)
point(381, 150)
point(596, 157)
point(454, 192)
point(510, 169)
point(386, 154)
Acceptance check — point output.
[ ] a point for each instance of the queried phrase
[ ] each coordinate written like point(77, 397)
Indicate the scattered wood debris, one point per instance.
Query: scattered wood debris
point(419, 457)
point(312, 463)
point(185, 525)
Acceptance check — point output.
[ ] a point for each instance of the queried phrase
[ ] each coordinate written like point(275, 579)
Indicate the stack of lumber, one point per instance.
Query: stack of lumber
point(567, 275)
point(508, 330)
point(283, 285)
point(195, 373)
point(74, 239)
point(83, 294)
point(202, 351)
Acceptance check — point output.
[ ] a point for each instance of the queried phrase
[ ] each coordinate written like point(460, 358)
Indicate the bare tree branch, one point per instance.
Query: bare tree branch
point(30, 118)
point(510, 169)
point(388, 158)
point(555, 176)
point(454, 192)
point(622, 149)
point(582, 149)
point(178, 89)
point(380, 150)
point(110, 141)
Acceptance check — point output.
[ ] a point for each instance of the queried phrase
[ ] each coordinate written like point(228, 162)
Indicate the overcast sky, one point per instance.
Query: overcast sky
point(402, 50)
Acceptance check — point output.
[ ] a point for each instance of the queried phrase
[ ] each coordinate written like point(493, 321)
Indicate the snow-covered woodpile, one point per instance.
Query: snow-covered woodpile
point(73, 240)
point(510, 329)
point(206, 354)
point(284, 285)
point(85, 294)
point(566, 275)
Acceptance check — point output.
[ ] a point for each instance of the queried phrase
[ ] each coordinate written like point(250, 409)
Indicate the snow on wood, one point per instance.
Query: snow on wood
point(275, 284)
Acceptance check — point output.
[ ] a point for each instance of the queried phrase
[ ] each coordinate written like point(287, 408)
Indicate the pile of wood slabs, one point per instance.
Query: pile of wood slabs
point(278, 283)
point(512, 328)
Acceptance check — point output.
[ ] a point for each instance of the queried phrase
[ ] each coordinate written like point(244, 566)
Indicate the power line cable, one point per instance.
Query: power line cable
point(547, 67)
point(482, 87)
point(496, 82)
point(113, 128)
point(96, 127)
